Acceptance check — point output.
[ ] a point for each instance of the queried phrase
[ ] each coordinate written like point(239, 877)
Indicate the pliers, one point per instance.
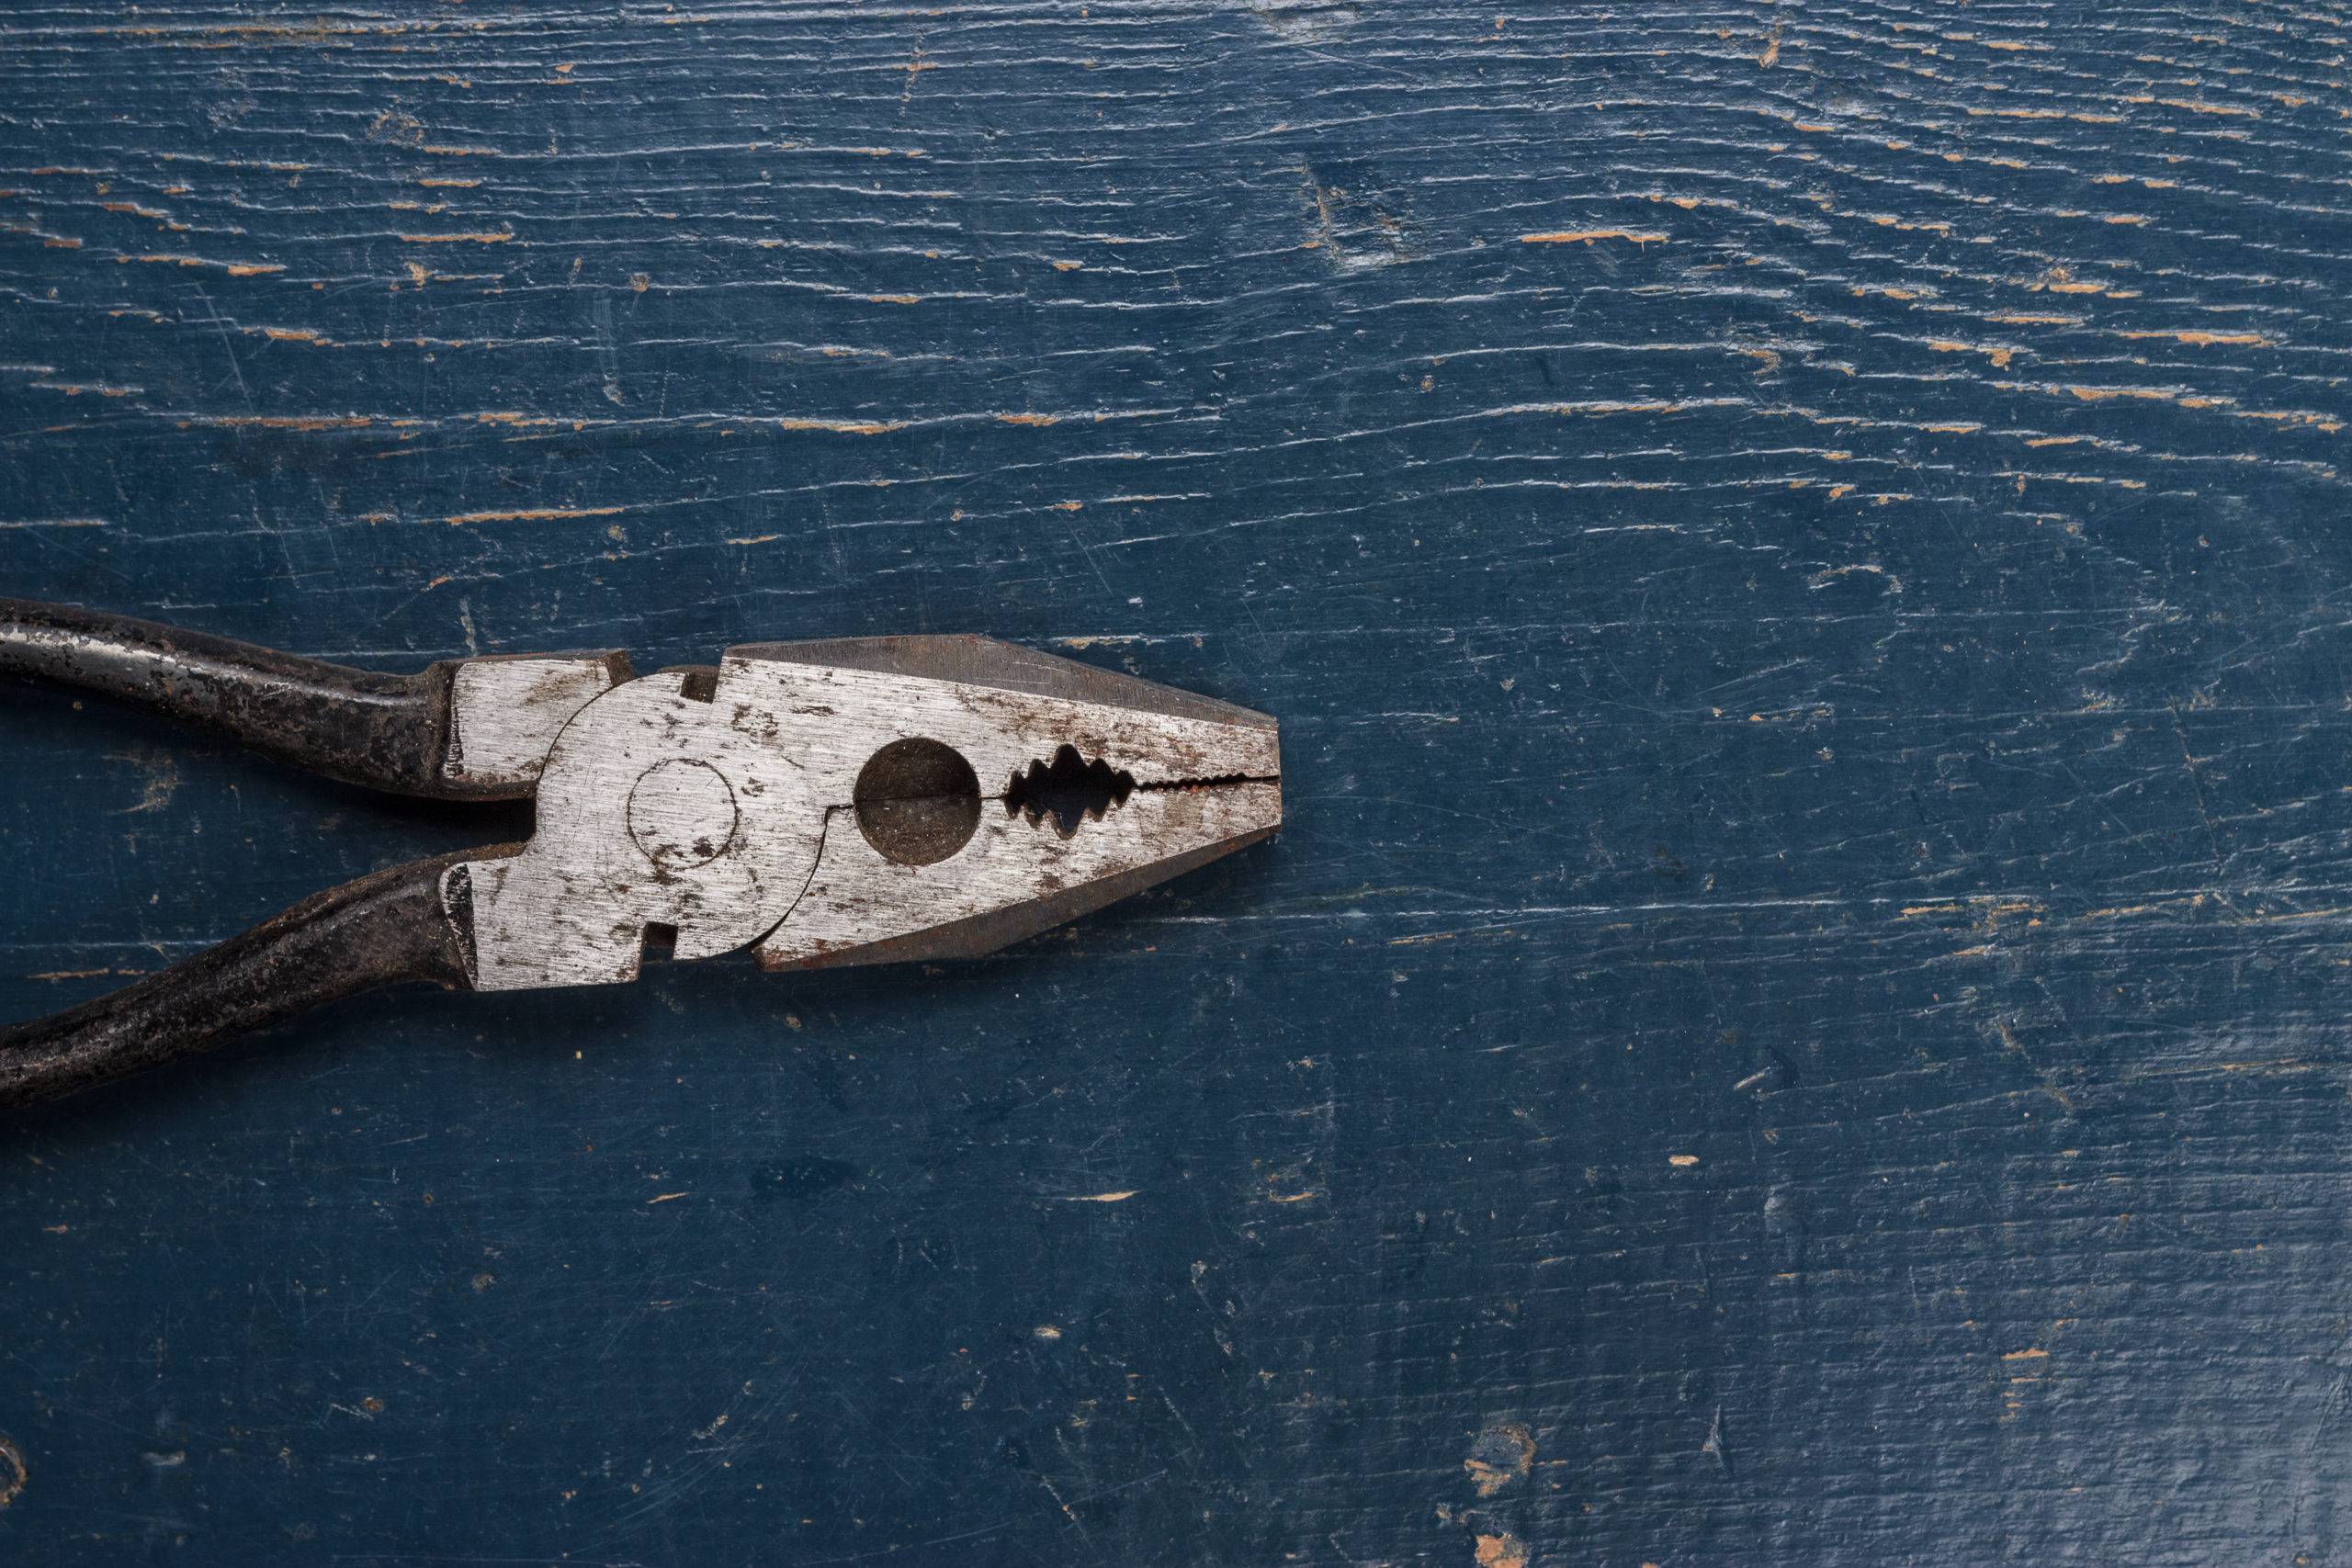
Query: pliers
point(865, 800)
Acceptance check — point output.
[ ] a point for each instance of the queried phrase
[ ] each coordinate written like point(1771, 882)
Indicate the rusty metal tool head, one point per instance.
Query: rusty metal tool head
point(857, 801)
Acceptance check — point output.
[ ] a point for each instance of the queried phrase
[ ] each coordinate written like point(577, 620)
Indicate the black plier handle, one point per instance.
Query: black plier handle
point(382, 930)
point(404, 734)
point(397, 733)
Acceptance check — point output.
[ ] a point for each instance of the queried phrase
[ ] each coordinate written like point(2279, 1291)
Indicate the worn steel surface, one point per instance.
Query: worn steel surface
point(769, 805)
point(1798, 1015)
point(505, 714)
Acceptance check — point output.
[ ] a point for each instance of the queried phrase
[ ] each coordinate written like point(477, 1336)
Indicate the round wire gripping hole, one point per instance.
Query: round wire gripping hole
point(918, 801)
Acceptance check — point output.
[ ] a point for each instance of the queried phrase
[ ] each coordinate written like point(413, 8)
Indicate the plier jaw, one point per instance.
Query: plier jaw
point(860, 801)
point(999, 791)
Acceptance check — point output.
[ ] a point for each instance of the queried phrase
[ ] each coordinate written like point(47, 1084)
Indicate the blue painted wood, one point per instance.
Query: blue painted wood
point(1799, 552)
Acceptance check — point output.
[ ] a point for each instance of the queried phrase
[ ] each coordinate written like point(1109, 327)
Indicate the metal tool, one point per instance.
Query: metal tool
point(860, 801)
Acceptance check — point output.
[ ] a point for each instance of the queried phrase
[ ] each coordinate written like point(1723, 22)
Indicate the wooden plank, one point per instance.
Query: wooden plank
point(1798, 553)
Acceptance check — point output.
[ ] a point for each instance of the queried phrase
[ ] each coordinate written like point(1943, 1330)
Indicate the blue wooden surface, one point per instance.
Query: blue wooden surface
point(1799, 555)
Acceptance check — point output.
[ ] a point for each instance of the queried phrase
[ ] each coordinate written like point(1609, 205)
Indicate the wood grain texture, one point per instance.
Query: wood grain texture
point(1800, 553)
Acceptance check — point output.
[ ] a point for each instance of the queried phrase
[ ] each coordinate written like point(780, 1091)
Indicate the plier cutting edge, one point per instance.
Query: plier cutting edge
point(865, 800)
